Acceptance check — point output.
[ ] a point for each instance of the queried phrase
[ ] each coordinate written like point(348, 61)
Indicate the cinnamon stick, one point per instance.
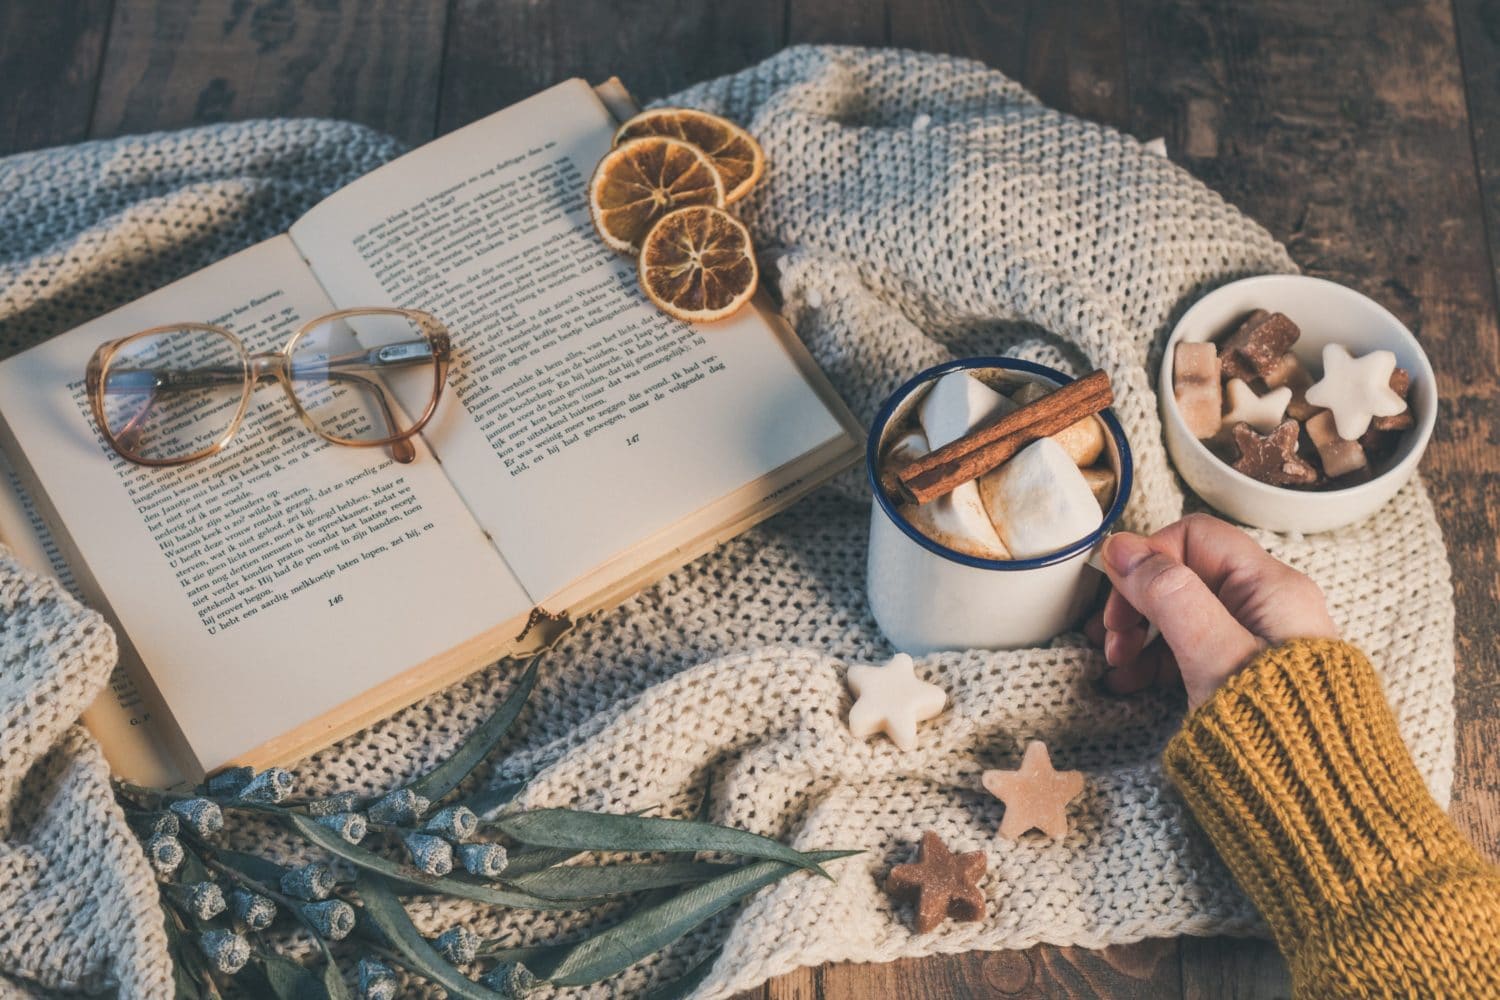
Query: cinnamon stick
point(940, 472)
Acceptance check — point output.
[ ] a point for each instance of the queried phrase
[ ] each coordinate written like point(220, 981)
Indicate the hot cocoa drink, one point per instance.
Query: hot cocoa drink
point(996, 466)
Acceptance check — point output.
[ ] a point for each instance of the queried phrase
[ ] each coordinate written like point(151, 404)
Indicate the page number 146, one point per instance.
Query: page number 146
point(336, 599)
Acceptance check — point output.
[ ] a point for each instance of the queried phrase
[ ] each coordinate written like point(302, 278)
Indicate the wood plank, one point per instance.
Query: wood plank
point(1144, 971)
point(994, 33)
point(50, 54)
point(171, 63)
point(1225, 968)
point(1075, 60)
point(1477, 804)
point(500, 51)
point(1477, 24)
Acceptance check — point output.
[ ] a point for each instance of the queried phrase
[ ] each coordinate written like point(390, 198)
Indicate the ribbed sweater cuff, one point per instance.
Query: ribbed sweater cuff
point(1297, 772)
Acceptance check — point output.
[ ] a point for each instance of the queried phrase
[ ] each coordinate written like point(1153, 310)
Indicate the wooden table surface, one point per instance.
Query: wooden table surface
point(1363, 133)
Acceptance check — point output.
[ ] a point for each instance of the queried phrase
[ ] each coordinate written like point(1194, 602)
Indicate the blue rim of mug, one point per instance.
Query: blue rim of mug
point(1111, 423)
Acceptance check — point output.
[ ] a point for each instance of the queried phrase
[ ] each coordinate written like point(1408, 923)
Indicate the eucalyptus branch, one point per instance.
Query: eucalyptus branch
point(671, 893)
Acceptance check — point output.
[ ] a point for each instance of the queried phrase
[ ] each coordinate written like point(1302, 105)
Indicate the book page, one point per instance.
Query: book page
point(588, 420)
point(270, 583)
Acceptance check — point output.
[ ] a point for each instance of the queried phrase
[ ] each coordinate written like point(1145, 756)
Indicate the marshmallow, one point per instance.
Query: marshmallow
point(956, 404)
point(1195, 386)
point(1039, 500)
point(1101, 479)
point(1288, 371)
point(1339, 457)
point(1356, 389)
point(1083, 441)
point(1263, 413)
point(957, 521)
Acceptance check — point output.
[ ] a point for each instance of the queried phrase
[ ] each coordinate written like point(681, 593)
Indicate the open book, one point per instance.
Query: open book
point(287, 592)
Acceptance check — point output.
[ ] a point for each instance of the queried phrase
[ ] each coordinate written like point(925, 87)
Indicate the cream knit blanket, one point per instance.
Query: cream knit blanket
point(917, 207)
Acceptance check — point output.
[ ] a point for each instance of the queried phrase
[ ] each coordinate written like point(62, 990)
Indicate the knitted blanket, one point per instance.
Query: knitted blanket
point(917, 208)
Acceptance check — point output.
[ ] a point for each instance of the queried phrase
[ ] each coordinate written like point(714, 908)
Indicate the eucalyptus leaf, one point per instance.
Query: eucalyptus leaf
point(417, 879)
point(586, 831)
point(477, 745)
point(592, 881)
point(536, 859)
point(186, 986)
point(261, 870)
point(485, 802)
point(649, 930)
point(333, 981)
point(385, 911)
point(290, 981)
point(689, 981)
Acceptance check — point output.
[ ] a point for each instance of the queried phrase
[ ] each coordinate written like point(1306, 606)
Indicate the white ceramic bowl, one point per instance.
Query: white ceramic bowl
point(1326, 313)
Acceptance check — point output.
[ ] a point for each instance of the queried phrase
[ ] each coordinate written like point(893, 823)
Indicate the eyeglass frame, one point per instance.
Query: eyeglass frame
point(276, 366)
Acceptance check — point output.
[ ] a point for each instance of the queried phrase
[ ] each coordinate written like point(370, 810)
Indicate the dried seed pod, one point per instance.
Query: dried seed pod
point(376, 980)
point(230, 781)
point(164, 852)
point(205, 900)
point(430, 855)
point(341, 803)
point(402, 807)
point(332, 918)
point(484, 860)
point(202, 816)
point(351, 826)
point(227, 951)
point(458, 945)
point(311, 881)
point(511, 980)
point(271, 785)
point(250, 910)
point(455, 822)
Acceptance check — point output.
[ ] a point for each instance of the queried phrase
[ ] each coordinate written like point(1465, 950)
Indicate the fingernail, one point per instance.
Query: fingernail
point(1124, 551)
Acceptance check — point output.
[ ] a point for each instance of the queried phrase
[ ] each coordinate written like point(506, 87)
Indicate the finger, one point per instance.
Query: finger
point(1119, 613)
point(1094, 630)
point(1205, 638)
point(1131, 678)
point(1122, 646)
point(1270, 598)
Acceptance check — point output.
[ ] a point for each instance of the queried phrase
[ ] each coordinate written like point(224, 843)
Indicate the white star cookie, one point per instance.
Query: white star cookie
point(1263, 413)
point(892, 700)
point(1356, 389)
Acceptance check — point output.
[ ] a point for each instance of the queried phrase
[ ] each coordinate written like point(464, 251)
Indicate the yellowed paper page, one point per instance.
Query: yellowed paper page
point(589, 420)
point(271, 583)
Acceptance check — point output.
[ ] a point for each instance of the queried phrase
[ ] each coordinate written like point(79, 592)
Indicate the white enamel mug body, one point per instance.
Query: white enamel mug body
point(926, 597)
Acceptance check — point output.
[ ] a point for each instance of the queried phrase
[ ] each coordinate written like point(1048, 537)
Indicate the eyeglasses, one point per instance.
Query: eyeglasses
point(178, 393)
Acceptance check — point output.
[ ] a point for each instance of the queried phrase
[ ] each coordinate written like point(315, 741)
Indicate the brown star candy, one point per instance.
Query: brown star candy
point(1036, 796)
point(940, 884)
point(1272, 458)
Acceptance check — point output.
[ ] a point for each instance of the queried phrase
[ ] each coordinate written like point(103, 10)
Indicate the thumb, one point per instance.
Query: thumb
point(1207, 641)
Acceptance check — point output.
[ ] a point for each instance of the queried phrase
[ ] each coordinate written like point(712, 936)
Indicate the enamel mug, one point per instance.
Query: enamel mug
point(926, 597)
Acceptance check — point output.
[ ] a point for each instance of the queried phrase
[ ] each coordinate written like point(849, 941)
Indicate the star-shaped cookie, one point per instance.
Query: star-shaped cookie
point(1036, 796)
point(1261, 412)
point(892, 700)
point(1272, 458)
point(940, 884)
point(1356, 389)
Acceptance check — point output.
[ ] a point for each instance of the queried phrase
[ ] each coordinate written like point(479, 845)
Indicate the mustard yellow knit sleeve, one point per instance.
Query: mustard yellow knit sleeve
point(1298, 774)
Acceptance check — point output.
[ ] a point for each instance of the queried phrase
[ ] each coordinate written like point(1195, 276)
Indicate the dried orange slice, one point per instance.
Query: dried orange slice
point(697, 264)
point(640, 181)
point(734, 151)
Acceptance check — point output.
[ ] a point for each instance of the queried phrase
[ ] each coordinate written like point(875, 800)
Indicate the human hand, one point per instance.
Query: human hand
point(1217, 596)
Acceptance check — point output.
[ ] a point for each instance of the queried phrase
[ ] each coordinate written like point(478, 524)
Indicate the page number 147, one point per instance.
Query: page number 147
point(633, 439)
